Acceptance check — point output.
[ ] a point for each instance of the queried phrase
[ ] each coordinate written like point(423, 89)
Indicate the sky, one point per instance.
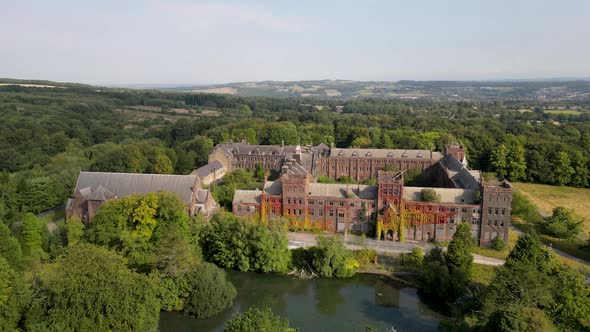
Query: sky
point(114, 42)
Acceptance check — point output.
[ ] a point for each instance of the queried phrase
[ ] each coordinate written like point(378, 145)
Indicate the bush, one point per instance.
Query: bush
point(415, 258)
point(498, 244)
point(430, 196)
point(258, 320)
point(332, 259)
point(563, 223)
point(365, 256)
point(209, 291)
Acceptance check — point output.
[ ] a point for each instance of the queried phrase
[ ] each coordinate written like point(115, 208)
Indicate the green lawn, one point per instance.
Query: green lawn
point(547, 197)
point(569, 112)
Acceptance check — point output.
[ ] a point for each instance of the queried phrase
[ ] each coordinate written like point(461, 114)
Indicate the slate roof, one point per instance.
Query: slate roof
point(338, 190)
point(386, 153)
point(124, 184)
point(273, 188)
point(247, 196)
point(462, 177)
point(209, 168)
point(250, 149)
point(447, 195)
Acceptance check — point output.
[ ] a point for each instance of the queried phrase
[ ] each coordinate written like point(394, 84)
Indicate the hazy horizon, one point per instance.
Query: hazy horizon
point(183, 42)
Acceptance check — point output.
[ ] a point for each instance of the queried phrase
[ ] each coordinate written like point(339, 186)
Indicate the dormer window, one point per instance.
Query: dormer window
point(354, 154)
point(420, 155)
point(390, 155)
point(405, 155)
point(369, 154)
point(341, 153)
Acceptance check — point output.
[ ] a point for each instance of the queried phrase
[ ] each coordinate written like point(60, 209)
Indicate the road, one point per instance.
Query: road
point(388, 247)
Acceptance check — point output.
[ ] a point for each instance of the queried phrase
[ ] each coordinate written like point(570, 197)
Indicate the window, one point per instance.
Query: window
point(489, 210)
point(341, 203)
point(464, 210)
point(503, 211)
point(496, 211)
point(299, 202)
point(453, 209)
point(341, 214)
point(331, 213)
point(331, 203)
point(452, 220)
point(289, 201)
point(239, 208)
point(352, 204)
point(321, 202)
point(311, 212)
point(462, 219)
point(299, 212)
point(288, 211)
point(320, 212)
point(474, 221)
point(310, 201)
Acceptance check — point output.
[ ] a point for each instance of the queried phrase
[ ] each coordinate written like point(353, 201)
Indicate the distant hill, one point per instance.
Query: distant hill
point(433, 90)
point(549, 90)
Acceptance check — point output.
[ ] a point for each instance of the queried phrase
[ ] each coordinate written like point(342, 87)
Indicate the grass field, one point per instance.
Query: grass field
point(568, 112)
point(489, 252)
point(483, 273)
point(548, 197)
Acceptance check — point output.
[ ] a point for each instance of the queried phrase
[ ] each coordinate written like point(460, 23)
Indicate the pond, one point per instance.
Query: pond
point(320, 304)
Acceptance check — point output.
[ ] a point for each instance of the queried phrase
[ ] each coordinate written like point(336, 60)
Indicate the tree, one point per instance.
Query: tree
point(209, 291)
point(91, 289)
point(562, 168)
point(40, 194)
point(135, 224)
point(201, 146)
point(162, 165)
point(258, 320)
point(332, 259)
point(31, 240)
point(10, 249)
point(514, 318)
point(174, 253)
point(508, 159)
point(458, 255)
point(246, 245)
point(259, 172)
point(278, 133)
point(74, 230)
point(14, 296)
point(563, 223)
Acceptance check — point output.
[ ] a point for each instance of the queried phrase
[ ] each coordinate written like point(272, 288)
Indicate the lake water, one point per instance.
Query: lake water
point(320, 304)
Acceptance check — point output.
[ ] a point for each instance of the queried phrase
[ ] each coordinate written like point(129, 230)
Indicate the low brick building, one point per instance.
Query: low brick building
point(94, 188)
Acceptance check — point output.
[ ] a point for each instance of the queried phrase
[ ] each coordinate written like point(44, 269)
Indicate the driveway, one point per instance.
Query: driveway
point(354, 242)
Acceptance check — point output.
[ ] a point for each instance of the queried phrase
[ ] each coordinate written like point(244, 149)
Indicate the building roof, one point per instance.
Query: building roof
point(338, 190)
point(386, 153)
point(251, 149)
point(461, 176)
point(209, 168)
point(447, 195)
point(247, 196)
point(273, 188)
point(124, 184)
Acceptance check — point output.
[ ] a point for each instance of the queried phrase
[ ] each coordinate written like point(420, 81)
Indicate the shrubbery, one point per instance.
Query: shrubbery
point(209, 291)
point(258, 320)
point(246, 245)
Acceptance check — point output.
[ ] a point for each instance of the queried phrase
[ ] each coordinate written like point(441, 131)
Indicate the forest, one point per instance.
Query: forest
point(152, 257)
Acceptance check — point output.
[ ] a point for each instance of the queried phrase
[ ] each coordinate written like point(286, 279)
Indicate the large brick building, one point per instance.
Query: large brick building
point(95, 188)
point(460, 195)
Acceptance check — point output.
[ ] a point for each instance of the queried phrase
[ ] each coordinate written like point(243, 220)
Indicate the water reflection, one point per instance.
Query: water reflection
point(320, 305)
